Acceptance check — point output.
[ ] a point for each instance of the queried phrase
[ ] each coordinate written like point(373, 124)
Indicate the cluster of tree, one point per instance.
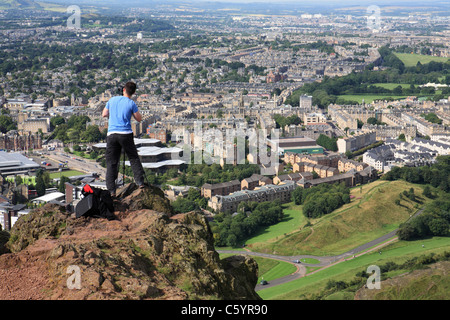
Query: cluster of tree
point(193, 201)
point(322, 199)
point(431, 117)
point(282, 121)
point(327, 142)
point(437, 175)
point(74, 130)
point(410, 194)
point(390, 59)
point(434, 221)
point(148, 25)
point(42, 181)
point(374, 121)
point(320, 45)
point(7, 123)
point(231, 230)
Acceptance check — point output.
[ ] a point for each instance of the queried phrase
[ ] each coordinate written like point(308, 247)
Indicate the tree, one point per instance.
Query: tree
point(62, 184)
point(7, 124)
point(182, 205)
point(19, 180)
point(56, 121)
point(327, 142)
point(427, 191)
point(296, 195)
point(91, 134)
point(40, 186)
point(439, 227)
point(406, 232)
point(372, 121)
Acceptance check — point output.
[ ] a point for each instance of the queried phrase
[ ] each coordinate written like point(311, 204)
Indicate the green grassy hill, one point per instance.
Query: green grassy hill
point(372, 213)
point(432, 283)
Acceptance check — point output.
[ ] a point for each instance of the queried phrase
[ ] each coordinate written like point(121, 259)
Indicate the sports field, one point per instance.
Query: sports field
point(67, 173)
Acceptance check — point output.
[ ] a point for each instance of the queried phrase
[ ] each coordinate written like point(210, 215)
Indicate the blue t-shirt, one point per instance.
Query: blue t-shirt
point(120, 111)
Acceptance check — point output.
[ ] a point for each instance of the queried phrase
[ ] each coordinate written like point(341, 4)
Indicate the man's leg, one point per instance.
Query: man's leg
point(133, 157)
point(113, 151)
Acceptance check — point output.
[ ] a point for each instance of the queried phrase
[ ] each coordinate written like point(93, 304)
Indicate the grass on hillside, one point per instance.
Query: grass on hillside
point(293, 220)
point(398, 252)
point(371, 214)
point(410, 60)
point(270, 269)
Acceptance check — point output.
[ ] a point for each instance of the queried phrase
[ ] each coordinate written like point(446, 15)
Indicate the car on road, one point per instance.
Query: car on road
point(297, 261)
point(263, 282)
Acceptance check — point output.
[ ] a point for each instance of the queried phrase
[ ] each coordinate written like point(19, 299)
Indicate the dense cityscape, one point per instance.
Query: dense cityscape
point(249, 111)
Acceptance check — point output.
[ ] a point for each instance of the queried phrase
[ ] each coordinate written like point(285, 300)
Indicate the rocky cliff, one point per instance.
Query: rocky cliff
point(148, 253)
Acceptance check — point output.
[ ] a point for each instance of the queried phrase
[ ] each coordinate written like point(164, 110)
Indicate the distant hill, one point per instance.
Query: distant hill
point(19, 4)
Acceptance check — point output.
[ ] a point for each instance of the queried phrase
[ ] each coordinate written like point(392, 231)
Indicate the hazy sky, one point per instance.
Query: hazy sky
point(342, 2)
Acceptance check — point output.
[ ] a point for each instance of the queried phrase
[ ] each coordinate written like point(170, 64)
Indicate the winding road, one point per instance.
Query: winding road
point(324, 261)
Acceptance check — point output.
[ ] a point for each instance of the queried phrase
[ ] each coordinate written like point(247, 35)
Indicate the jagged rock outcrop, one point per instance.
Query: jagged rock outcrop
point(148, 253)
point(4, 238)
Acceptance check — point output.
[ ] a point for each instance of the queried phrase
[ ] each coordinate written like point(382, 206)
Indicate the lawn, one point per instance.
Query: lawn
point(67, 173)
point(398, 252)
point(392, 86)
point(293, 220)
point(371, 214)
point(410, 60)
point(270, 269)
point(369, 98)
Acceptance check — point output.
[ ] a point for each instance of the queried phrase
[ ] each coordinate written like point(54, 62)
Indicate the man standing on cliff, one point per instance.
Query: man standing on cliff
point(119, 110)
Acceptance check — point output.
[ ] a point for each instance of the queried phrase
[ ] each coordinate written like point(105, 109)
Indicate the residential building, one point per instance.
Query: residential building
point(270, 192)
point(356, 142)
point(322, 171)
point(225, 188)
point(254, 181)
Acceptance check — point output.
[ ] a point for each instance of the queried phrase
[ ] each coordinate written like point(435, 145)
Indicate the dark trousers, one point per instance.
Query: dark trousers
point(114, 145)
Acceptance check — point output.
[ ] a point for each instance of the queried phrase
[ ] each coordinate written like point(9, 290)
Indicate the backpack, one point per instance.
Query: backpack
point(96, 203)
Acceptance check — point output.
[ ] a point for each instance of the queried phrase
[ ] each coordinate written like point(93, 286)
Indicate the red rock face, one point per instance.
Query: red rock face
point(146, 254)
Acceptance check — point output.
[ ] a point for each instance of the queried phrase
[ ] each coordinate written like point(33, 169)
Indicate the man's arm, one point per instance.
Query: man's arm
point(137, 116)
point(105, 113)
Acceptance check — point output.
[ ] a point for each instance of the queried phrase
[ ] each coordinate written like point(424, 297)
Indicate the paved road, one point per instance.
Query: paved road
point(324, 261)
point(79, 163)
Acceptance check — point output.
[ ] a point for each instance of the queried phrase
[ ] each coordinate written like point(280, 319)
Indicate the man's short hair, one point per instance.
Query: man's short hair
point(130, 87)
